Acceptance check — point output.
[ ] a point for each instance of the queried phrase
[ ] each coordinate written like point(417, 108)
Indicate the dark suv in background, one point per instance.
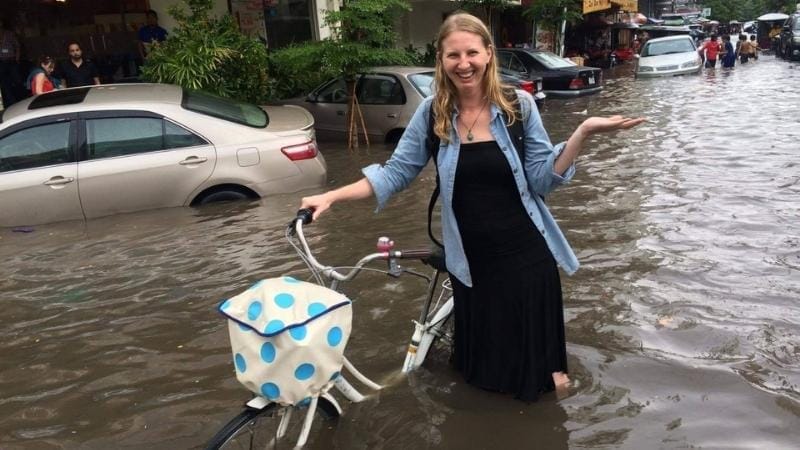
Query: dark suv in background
point(790, 37)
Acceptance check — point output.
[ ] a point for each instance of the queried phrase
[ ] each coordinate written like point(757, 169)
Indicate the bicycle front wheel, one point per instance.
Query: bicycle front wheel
point(260, 428)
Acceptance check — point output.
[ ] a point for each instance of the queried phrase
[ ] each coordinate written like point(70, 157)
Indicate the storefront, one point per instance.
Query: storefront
point(107, 29)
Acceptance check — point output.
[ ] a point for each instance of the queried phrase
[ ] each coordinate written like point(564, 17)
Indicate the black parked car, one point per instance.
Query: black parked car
point(790, 38)
point(561, 77)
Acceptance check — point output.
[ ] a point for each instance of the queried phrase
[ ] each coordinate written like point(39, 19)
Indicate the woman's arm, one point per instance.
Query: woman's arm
point(38, 83)
point(322, 202)
point(590, 126)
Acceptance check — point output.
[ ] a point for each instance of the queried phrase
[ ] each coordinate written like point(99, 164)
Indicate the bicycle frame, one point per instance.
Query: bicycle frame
point(427, 328)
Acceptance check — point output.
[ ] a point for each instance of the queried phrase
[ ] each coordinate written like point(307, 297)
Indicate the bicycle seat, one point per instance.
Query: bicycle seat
point(436, 259)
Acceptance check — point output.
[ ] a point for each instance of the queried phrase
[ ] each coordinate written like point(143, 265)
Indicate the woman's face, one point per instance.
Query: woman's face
point(465, 59)
point(48, 67)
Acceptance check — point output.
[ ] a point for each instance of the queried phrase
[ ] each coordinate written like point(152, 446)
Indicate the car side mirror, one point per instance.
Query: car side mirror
point(312, 98)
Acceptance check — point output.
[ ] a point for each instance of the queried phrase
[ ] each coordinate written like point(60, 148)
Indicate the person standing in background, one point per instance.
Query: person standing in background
point(77, 71)
point(711, 49)
point(41, 78)
point(728, 53)
point(9, 65)
point(150, 34)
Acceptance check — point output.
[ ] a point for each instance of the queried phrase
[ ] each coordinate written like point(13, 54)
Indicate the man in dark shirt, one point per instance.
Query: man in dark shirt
point(76, 71)
point(150, 33)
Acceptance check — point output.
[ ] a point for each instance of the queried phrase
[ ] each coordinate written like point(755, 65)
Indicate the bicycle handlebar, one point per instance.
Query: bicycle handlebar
point(305, 216)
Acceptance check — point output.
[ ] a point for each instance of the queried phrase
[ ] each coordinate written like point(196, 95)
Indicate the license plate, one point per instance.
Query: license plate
point(591, 79)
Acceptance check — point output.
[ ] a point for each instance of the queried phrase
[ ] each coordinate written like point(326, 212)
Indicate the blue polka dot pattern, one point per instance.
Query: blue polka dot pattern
point(304, 371)
point(268, 352)
point(298, 333)
point(273, 326)
point(244, 327)
point(241, 364)
point(254, 310)
point(270, 390)
point(316, 309)
point(225, 305)
point(304, 402)
point(290, 280)
point(284, 300)
point(334, 336)
point(335, 375)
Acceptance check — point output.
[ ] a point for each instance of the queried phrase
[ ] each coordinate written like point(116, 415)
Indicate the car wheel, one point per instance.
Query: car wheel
point(222, 196)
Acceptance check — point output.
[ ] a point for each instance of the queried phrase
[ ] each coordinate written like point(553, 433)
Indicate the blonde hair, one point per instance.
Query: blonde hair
point(444, 98)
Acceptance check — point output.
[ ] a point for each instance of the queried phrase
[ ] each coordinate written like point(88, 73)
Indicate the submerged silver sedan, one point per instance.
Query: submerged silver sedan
point(668, 56)
point(94, 151)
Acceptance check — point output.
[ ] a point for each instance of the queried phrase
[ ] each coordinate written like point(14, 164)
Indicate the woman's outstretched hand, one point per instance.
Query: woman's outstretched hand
point(595, 125)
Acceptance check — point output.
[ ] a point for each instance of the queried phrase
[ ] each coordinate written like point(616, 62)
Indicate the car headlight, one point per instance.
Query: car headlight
point(646, 69)
point(689, 64)
point(796, 40)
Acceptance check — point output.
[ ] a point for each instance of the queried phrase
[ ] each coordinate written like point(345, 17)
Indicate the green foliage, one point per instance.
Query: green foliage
point(296, 70)
point(364, 35)
point(486, 9)
point(549, 14)
point(209, 54)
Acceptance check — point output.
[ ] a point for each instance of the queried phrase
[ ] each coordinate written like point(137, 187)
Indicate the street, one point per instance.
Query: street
point(683, 325)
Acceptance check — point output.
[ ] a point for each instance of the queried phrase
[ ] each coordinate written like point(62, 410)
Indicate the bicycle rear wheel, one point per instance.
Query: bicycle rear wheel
point(258, 428)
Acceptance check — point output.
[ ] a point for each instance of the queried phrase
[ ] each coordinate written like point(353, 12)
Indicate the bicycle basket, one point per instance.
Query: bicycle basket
point(288, 338)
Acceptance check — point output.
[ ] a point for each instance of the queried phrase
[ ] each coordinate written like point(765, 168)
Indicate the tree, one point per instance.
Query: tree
point(363, 36)
point(486, 9)
point(549, 14)
point(209, 54)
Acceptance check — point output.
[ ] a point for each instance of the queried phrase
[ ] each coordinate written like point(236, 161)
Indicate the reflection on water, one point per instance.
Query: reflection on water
point(682, 323)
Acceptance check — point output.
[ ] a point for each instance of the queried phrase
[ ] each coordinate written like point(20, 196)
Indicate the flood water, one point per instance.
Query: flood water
point(683, 324)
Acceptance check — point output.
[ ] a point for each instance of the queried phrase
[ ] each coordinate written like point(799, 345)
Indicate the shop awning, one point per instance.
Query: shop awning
point(590, 6)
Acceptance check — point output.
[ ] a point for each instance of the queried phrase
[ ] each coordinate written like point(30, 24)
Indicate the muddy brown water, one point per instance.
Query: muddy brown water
point(683, 324)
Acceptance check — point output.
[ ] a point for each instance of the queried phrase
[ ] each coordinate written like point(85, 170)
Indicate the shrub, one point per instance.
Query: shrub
point(209, 54)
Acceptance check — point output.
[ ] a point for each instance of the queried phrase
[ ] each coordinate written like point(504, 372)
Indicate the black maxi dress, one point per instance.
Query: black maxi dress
point(509, 326)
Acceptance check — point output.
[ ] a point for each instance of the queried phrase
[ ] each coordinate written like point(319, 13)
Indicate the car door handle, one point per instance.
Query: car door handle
point(58, 181)
point(340, 113)
point(193, 160)
point(392, 116)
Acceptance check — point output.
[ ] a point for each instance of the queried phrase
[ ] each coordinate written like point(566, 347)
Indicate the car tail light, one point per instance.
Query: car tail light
point(527, 86)
point(301, 151)
point(577, 83)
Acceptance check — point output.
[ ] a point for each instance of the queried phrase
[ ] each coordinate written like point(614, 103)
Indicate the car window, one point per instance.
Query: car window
point(423, 82)
point(551, 60)
point(796, 26)
point(668, 47)
point(375, 89)
point(106, 138)
point(516, 65)
point(504, 59)
point(225, 109)
point(45, 145)
point(334, 92)
point(178, 137)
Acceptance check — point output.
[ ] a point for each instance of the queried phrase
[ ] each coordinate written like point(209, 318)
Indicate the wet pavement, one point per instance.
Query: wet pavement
point(683, 324)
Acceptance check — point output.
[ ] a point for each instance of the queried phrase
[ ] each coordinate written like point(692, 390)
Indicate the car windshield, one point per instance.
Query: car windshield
point(551, 60)
point(225, 108)
point(423, 82)
point(668, 47)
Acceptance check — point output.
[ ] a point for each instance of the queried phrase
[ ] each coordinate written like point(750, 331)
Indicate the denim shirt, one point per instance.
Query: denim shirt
point(536, 179)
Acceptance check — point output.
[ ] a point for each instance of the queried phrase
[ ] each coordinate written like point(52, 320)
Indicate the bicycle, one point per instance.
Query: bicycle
point(253, 427)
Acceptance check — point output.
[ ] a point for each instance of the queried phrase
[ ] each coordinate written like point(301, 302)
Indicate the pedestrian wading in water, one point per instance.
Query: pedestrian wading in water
point(502, 245)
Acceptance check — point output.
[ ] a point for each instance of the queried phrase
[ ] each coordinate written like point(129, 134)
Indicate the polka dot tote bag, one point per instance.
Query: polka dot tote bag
point(288, 338)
